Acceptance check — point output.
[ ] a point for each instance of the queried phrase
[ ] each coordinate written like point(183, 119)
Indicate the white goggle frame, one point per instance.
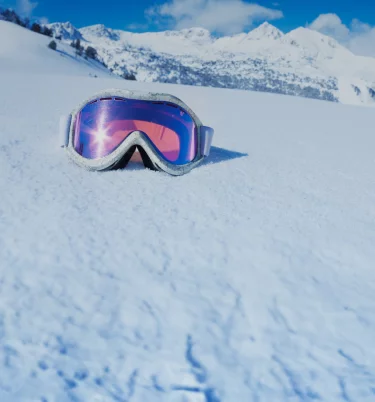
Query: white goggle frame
point(137, 139)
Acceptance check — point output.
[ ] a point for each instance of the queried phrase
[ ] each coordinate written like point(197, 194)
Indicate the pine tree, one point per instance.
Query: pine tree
point(91, 53)
point(52, 45)
point(36, 28)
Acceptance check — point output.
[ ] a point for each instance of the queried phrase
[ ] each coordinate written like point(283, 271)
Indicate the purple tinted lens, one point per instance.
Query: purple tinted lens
point(104, 124)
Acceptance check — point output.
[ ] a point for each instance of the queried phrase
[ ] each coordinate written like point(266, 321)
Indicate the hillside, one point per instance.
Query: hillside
point(302, 62)
point(24, 51)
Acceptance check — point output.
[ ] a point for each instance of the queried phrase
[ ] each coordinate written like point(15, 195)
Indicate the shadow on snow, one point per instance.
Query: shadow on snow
point(217, 155)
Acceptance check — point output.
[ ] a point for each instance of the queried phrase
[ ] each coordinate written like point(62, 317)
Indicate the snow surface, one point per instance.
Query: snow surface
point(250, 279)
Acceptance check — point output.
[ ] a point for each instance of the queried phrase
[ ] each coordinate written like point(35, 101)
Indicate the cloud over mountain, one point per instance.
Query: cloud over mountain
point(359, 37)
point(221, 16)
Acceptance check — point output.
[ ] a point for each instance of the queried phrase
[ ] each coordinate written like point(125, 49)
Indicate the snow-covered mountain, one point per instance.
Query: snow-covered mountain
point(266, 34)
point(302, 62)
point(66, 31)
point(249, 279)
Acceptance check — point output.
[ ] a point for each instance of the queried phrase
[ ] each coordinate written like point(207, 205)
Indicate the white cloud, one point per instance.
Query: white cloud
point(330, 24)
point(43, 20)
point(221, 16)
point(26, 7)
point(136, 26)
point(359, 37)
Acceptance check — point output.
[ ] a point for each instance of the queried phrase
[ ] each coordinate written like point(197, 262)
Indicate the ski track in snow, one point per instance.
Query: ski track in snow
point(249, 279)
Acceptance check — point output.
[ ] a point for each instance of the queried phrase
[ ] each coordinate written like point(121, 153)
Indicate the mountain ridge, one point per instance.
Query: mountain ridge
point(301, 62)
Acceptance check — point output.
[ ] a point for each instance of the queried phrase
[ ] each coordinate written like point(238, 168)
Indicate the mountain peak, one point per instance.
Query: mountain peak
point(65, 30)
point(195, 34)
point(265, 31)
point(196, 31)
point(309, 38)
point(99, 31)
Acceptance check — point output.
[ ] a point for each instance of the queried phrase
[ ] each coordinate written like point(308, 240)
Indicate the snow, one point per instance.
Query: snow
point(186, 41)
point(25, 51)
point(265, 31)
point(253, 42)
point(249, 279)
point(99, 30)
point(65, 30)
point(297, 59)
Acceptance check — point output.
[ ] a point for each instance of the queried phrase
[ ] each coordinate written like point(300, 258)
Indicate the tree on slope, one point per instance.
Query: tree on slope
point(36, 28)
point(76, 44)
point(91, 53)
point(52, 45)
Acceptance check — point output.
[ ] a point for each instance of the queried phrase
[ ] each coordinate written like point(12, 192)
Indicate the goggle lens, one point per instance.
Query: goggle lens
point(103, 125)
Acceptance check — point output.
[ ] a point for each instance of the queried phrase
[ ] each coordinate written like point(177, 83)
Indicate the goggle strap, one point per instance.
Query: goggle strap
point(207, 134)
point(64, 130)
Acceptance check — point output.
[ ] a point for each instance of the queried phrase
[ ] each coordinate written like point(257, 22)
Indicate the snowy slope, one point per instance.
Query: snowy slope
point(302, 62)
point(22, 50)
point(249, 279)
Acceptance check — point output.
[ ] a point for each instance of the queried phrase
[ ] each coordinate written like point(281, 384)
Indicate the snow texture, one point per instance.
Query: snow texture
point(249, 279)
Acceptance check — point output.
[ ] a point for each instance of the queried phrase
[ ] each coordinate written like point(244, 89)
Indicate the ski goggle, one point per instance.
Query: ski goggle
point(105, 131)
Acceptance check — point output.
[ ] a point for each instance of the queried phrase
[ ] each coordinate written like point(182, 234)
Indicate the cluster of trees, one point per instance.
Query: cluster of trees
point(12, 16)
point(35, 27)
point(129, 76)
point(123, 72)
point(89, 52)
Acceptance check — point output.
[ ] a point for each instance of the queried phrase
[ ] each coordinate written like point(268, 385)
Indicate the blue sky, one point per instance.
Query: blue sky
point(129, 13)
